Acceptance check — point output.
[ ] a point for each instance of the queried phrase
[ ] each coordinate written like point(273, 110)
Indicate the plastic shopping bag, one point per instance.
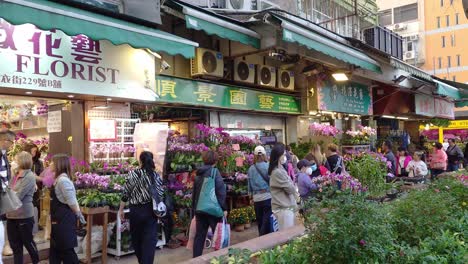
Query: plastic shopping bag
point(274, 226)
point(222, 235)
point(192, 232)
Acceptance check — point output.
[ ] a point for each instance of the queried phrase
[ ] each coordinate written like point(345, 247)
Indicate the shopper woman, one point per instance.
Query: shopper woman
point(20, 222)
point(416, 167)
point(37, 168)
point(204, 220)
point(283, 191)
point(304, 181)
point(143, 222)
point(404, 159)
point(64, 213)
point(320, 158)
point(259, 187)
point(438, 160)
point(335, 160)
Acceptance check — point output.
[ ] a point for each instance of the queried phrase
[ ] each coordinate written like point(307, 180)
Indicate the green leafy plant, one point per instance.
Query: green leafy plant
point(440, 122)
point(370, 171)
point(234, 256)
point(296, 252)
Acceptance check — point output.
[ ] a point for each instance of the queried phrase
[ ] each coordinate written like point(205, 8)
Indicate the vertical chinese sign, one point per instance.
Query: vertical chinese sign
point(349, 97)
point(176, 90)
point(52, 61)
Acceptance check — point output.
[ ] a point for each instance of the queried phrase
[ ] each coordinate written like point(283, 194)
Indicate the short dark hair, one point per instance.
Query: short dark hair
point(62, 165)
point(403, 149)
point(389, 144)
point(210, 157)
point(438, 145)
point(310, 157)
point(147, 162)
point(452, 140)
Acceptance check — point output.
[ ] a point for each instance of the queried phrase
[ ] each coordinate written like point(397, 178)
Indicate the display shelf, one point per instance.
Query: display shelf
point(118, 252)
point(125, 128)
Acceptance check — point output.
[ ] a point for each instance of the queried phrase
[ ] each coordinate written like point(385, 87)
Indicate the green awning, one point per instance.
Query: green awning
point(461, 104)
point(213, 24)
point(295, 33)
point(410, 69)
point(447, 90)
point(73, 21)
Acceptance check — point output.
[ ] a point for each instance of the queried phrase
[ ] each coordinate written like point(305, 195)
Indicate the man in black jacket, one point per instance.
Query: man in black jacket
point(455, 156)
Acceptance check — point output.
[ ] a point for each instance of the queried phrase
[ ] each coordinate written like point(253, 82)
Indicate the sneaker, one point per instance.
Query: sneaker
point(7, 250)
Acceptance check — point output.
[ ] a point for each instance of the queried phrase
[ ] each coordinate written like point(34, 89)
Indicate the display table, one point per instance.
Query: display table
point(90, 213)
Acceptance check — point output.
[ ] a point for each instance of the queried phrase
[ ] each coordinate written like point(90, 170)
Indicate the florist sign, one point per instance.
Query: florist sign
point(349, 97)
point(52, 61)
point(175, 90)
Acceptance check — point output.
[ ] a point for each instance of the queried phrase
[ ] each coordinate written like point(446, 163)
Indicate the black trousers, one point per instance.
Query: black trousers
point(67, 256)
point(143, 231)
point(204, 221)
point(19, 235)
point(262, 214)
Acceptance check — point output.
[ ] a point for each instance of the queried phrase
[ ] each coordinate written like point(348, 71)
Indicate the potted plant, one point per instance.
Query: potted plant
point(238, 219)
point(250, 216)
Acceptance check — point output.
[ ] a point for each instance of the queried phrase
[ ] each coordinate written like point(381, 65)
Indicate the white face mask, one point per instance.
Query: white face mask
point(309, 171)
point(283, 159)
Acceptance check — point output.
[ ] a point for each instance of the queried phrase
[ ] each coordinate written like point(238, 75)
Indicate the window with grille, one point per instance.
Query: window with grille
point(443, 41)
point(456, 19)
point(440, 62)
point(447, 20)
point(458, 60)
point(438, 22)
point(449, 61)
point(405, 13)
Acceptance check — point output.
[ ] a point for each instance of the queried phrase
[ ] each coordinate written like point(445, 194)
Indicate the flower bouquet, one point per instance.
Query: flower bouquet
point(359, 137)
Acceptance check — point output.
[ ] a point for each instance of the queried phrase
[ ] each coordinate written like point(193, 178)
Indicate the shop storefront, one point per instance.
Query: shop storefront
point(67, 78)
point(231, 107)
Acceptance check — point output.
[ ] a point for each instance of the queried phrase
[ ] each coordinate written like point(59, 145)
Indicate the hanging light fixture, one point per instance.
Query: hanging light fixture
point(340, 76)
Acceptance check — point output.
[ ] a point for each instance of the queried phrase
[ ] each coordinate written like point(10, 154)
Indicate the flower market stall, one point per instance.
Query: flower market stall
point(358, 140)
point(184, 157)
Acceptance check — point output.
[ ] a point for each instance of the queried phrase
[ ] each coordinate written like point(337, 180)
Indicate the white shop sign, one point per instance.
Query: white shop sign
point(34, 59)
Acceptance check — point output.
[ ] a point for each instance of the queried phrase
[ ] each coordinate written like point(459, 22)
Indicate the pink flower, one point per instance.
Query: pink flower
point(362, 242)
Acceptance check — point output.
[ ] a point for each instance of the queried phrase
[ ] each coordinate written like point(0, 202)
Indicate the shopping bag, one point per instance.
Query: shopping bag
point(274, 226)
point(222, 235)
point(192, 232)
point(207, 201)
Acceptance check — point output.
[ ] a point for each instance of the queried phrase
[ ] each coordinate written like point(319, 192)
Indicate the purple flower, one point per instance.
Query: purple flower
point(362, 242)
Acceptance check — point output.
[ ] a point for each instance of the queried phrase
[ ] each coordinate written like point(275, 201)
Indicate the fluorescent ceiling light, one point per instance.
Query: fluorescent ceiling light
point(389, 116)
point(71, 96)
point(340, 77)
point(102, 107)
point(28, 93)
point(402, 118)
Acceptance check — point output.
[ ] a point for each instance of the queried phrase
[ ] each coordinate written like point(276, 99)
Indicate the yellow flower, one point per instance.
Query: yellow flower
point(70, 138)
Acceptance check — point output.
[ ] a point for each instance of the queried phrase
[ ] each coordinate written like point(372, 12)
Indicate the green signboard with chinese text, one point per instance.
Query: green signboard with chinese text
point(348, 97)
point(177, 90)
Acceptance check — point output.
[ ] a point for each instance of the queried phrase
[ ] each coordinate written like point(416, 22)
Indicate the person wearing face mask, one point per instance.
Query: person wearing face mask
point(304, 180)
point(283, 191)
point(316, 169)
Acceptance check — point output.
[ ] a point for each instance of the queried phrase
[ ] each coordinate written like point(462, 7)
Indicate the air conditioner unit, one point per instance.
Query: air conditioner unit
point(208, 64)
point(286, 79)
point(409, 55)
point(414, 37)
point(241, 5)
point(244, 71)
point(266, 75)
point(400, 27)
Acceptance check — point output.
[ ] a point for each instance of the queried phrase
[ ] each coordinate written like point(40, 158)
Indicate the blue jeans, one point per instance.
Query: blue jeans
point(453, 167)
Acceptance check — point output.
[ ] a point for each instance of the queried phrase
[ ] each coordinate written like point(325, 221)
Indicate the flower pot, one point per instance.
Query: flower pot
point(248, 225)
point(239, 228)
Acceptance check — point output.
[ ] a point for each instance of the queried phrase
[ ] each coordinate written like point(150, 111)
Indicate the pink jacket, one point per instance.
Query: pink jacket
point(405, 164)
point(439, 160)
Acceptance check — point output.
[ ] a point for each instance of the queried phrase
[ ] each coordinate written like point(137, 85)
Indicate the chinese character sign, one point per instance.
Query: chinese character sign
point(349, 97)
point(444, 108)
point(52, 61)
point(176, 90)
point(424, 105)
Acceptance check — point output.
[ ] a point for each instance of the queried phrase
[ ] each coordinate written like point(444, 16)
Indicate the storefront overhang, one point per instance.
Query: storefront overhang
point(396, 63)
point(462, 101)
point(445, 89)
point(295, 33)
point(175, 90)
point(213, 24)
point(72, 21)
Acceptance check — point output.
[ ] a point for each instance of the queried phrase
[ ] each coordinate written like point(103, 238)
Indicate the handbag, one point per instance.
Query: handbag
point(207, 201)
point(9, 201)
point(157, 193)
